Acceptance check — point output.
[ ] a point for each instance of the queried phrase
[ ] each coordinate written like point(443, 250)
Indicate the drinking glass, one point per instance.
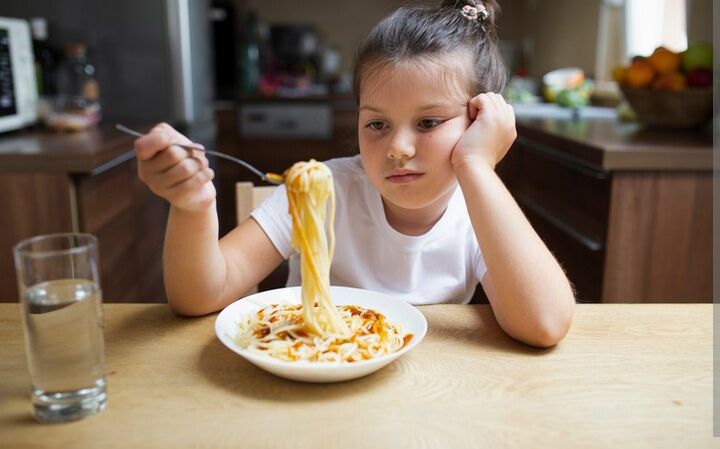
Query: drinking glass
point(60, 301)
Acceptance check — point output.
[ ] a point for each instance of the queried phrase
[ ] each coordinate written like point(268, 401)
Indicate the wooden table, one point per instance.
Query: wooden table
point(627, 375)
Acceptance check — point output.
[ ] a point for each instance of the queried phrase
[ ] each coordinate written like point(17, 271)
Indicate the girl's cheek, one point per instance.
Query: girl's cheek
point(444, 137)
point(460, 129)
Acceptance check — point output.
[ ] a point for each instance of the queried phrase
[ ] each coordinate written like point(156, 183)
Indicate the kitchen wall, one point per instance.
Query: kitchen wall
point(343, 23)
point(555, 33)
point(133, 47)
point(700, 23)
point(114, 52)
point(564, 33)
point(560, 32)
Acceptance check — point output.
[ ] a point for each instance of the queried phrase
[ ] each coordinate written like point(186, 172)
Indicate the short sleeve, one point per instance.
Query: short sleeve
point(480, 267)
point(273, 217)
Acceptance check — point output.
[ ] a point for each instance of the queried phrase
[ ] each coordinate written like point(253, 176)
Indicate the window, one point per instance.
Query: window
point(652, 23)
point(630, 28)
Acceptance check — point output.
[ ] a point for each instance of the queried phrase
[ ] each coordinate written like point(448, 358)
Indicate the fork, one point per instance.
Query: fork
point(272, 178)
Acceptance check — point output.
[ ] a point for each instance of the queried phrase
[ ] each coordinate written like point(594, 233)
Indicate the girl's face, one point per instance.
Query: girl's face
point(410, 118)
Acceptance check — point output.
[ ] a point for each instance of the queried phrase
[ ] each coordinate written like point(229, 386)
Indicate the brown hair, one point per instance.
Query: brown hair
point(423, 31)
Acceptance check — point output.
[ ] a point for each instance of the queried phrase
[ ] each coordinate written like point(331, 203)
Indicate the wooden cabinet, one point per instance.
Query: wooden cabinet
point(129, 222)
point(621, 236)
point(567, 204)
point(660, 237)
point(107, 200)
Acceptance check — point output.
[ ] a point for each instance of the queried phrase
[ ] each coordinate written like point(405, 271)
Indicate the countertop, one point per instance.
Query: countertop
point(40, 150)
point(626, 375)
point(598, 139)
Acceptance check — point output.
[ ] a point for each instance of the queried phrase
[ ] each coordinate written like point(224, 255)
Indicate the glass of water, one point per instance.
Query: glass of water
point(60, 299)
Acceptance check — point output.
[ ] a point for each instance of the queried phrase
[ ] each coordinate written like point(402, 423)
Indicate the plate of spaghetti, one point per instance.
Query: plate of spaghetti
point(267, 329)
point(318, 333)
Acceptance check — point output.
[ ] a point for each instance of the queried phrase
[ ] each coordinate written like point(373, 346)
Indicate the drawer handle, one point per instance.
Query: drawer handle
point(569, 230)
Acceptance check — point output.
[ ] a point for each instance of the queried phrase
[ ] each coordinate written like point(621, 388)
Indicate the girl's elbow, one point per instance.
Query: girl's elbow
point(180, 309)
point(186, 307)
point(550, 331)
point(547, 337)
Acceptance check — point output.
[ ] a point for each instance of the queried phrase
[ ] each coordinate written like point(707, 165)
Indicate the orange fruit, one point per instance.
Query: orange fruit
point(639, 74)
point(619, 73)
point(673, 81)
point(664, 60)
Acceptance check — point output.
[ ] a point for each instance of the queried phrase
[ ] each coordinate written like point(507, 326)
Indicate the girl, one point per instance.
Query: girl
point(420, 211)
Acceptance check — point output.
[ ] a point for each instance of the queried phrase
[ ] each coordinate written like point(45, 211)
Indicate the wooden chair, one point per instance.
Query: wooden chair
point(248, 197)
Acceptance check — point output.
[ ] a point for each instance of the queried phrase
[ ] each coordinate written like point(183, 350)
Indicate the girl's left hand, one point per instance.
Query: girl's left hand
point(489, 136)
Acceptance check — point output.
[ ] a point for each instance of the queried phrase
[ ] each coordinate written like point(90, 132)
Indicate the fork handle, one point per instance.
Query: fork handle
point(271, 178)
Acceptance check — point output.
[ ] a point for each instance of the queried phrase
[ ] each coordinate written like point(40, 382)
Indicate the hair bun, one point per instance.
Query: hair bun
point(483, 12)
point(491, 7)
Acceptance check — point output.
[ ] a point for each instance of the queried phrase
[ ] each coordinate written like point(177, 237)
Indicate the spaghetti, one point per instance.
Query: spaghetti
point(311, 199)
point(317, 330)
point(278, 330)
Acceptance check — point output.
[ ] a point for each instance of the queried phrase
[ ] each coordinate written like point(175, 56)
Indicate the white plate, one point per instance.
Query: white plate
point(396, 310)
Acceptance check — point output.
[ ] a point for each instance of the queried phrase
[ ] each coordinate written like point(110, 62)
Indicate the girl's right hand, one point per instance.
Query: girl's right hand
point(180, 176)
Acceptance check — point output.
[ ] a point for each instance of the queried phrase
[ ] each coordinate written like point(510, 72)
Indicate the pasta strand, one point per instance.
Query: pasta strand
point(311, 201)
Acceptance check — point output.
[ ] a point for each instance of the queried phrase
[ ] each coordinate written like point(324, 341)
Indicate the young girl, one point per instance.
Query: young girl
point(420, 212)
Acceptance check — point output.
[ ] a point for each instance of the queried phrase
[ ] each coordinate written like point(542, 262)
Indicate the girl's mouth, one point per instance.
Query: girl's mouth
point(403, 177)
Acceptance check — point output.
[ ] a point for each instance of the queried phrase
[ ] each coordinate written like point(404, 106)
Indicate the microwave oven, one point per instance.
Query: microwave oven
point(18, 88)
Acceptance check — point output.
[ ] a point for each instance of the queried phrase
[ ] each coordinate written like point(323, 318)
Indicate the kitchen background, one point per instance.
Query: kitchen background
point(626, 208)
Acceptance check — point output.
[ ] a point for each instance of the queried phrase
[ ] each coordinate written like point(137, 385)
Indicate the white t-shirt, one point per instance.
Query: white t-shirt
point(442, 266)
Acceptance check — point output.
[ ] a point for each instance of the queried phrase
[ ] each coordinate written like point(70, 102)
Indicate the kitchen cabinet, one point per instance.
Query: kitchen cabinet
point(567, 204)
point(83, 182)
point(627, 211)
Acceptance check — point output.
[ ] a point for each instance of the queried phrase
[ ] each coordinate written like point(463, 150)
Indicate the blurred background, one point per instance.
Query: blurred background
point(613, 98)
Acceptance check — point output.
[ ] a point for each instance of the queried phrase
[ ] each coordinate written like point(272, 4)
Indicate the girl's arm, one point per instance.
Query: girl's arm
point(201, 274)
point(528, 291)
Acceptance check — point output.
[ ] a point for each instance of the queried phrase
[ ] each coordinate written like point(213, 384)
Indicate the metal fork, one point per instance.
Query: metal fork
point(272, 178)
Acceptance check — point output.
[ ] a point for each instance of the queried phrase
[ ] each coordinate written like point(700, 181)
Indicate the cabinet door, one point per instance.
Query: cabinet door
point(30, 204)
point(567, 204)
point(660, 239)
point(129, 222)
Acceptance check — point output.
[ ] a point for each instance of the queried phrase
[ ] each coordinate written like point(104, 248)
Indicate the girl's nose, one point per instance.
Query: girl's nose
point(400, 148)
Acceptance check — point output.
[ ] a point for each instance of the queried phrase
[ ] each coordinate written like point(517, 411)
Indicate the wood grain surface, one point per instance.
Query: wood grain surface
point(660, 238)
point(627, 375)
point(47, 199)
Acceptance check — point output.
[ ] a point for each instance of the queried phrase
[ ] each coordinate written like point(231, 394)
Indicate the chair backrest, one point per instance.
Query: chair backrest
point(248, 197)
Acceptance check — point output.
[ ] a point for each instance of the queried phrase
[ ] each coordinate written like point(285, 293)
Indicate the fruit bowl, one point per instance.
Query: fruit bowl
point(688, 108)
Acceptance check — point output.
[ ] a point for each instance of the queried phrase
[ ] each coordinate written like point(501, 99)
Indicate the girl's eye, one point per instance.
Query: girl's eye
point(377, 126)
point(428, 123)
